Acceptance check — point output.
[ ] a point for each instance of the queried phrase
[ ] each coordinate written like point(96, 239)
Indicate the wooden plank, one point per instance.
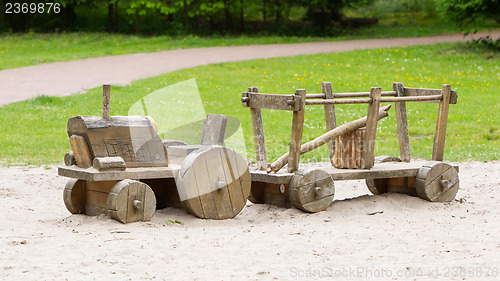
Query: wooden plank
point(330, 118)
point(442, 120)
point(371, 128)
point(427, 92)
point(100, 186)
point(402, 124)
point(272, 101)
point(297, 130)
point(214, 130)
point(106, 100)
point(216, 173)
point(231, 177)
point(95, 202)
point(258, 135)
point(92, 174)
point(81, 151)
point(382, 170)
point(337, 101)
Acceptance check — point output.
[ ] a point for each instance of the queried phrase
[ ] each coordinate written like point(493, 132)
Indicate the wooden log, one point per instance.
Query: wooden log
point(330, 118)
point(81, 151)
point(214, 130)
point(258, 135)
point(297, 130)
point(368, 156)
point(442, 120)
point(106, 100)
point(319, 141)
point(109, 163)
point(402, 124)
point(348, 150)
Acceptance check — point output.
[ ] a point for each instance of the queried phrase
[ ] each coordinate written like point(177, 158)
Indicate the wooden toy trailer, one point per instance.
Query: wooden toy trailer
point(120, 166)
point(312, 189)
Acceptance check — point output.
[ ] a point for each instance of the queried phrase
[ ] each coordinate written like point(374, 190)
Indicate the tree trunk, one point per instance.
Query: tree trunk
point(242, 16)
point(264, 11)
point(227, 14)
point(137, 22)
point(111, 15)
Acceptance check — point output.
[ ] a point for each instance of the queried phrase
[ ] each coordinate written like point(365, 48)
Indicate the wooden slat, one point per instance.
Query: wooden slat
point(417, 98)
point(106, 100)
point(330, 118)
point(81, 151)
point(442, 120)
point(258, 135)
point(382, 170)
point(214, 130)
point(371, 128)
point(271, 101)
point(402, 124)
point(427, 92)
point(297, 130)
point(337, 101)
point(92, 174)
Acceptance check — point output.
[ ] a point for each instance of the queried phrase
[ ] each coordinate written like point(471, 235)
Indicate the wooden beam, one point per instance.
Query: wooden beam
point(409, 92)
point(402, 124)
point(297, 130)
point(330, 118)
point(371, 128)
point(442, 120)
point(258, 134)
point(271, 101)
point(106, 100)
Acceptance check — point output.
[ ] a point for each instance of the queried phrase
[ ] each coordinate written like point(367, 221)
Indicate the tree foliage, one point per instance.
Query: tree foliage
point(178, 16)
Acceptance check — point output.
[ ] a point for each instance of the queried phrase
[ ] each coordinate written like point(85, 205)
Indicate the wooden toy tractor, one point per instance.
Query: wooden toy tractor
point(120, 166)
point(351, 148)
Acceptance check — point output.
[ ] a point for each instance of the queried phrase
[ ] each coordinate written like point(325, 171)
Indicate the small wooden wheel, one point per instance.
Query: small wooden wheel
point(379, 186)
point(311, 191)
point(214, 183)
point(131, 201)
point(74, 196)
point(437, 182)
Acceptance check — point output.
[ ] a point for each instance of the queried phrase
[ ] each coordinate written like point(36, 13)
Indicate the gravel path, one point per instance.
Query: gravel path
point(65, 78)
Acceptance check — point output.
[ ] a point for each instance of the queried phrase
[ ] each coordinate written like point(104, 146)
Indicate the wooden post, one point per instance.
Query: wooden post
point(297, 130)
point(106, 99)
point(402, 123)
point(371, 128)
point(258, 135)
point(331, 120)
point(442, 120)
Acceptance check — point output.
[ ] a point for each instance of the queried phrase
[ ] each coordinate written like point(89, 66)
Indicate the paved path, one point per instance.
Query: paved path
point(65, 78)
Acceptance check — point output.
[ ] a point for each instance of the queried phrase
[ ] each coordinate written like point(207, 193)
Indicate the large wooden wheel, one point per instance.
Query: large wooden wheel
point(131, 201)
point(74, 196)
point(214, 183)
point(379, 186)
point(311, 191)
point(437, 182)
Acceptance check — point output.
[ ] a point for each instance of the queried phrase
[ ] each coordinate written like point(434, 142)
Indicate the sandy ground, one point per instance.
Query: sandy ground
point(41, 240)
point(64, 78)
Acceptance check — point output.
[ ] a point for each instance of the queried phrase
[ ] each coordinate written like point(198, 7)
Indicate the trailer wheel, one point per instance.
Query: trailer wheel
point(311, 191)
point(214, 183)
point(379, 186)
point(131, 201)
point(74, 196)
point(437, 182)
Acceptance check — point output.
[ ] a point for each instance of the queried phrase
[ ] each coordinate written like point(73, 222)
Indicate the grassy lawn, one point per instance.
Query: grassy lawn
point(34, 131)
point(18, 50)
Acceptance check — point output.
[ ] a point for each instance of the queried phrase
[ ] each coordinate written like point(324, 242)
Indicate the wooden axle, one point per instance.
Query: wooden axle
point(328, 136)
point(368, 100)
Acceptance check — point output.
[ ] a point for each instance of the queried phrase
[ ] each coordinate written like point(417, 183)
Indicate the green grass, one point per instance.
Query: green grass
point(18, 50)
point(34, 131)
